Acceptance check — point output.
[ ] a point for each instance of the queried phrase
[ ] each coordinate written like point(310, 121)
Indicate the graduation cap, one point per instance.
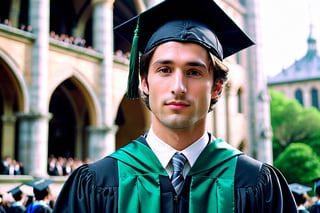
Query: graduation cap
point(40, 184)
point(198, 21)
point(298, 188)
point(16, 192)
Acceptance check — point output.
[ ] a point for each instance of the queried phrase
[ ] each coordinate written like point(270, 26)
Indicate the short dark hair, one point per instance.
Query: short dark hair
point(41, 194)
point(17, 196)
point(299, 198)
point(220, 73)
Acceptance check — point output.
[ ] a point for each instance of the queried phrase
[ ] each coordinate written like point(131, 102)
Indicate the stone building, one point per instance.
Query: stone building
point(63, 75)
point(300, 80)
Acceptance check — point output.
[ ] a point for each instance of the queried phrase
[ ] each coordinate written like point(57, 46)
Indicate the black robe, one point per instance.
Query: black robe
point(38, 207)
point(16, 209)
point(315, 208)
point(255, 187)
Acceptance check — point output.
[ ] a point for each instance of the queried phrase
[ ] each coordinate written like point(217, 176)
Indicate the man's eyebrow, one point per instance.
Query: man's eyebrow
point(191, 63)
point(162, 61)
point(196, 64)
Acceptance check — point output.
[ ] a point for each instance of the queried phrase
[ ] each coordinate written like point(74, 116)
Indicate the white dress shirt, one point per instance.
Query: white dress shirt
point(164, 152)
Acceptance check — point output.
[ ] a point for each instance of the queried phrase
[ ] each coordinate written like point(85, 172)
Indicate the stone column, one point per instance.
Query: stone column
point(102, 138)
point(34, 124)
point(15, 12)
point(99, 142)
point(8, 128)
point(33, 145)
point(260, 133)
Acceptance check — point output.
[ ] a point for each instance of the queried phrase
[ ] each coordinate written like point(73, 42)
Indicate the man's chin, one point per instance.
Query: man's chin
point(178, 123)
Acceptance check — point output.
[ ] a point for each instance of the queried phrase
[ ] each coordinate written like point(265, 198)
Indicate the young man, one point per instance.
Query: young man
point(300, 195)
point(18, 206)
point(182, 76)
point(42, 194)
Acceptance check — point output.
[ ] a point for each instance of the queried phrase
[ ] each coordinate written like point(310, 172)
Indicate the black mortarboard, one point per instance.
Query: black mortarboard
point(40, 184)
point(15, 191)
point(204, 22)
point(298, 188)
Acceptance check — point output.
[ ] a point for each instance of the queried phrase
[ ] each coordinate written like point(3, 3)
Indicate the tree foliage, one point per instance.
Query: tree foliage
point(299, 163)
point(292, 122)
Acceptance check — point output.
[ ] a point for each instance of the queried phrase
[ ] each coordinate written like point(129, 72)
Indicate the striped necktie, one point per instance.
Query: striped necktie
point(178, 161)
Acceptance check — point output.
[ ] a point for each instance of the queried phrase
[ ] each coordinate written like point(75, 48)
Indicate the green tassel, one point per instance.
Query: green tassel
point(133, 78)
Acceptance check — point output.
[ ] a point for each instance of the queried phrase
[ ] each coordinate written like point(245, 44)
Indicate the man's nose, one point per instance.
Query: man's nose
point(179, 83)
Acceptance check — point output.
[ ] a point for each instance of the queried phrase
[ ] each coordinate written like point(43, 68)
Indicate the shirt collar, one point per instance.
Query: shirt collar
point(164, 152)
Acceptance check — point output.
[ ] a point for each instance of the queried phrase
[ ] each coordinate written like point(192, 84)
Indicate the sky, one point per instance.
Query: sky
point(285, 27)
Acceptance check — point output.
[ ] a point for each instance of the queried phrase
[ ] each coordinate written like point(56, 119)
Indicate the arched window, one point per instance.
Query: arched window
point(314, 98)
point(299, 96)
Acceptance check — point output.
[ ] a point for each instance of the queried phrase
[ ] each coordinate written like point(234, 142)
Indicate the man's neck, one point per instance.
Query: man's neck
point(179, 139)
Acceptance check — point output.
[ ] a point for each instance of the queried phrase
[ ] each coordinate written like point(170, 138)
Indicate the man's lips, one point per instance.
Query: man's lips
point(177, 104)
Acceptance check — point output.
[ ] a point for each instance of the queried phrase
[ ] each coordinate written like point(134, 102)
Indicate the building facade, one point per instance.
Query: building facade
point(63, 76)
point(300, 80)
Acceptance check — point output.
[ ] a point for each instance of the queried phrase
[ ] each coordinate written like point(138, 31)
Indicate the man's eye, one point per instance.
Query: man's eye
point(194, 73)
point(164, 70)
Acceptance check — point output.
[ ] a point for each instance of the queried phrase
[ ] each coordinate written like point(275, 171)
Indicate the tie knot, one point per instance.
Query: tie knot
point(178, 160)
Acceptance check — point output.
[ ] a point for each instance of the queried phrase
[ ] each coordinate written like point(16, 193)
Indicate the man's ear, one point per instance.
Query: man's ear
point(144, 85)
point(217, 89)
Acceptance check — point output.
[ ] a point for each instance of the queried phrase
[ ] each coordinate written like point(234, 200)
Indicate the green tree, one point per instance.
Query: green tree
point(299, 163)
point(315, 143)
point(292, 122)
point(312, 118)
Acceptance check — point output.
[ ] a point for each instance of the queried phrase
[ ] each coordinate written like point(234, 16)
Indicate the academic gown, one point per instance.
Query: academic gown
point(315, 208)
point(133, 180)
point(39, 207)
point(16, 208)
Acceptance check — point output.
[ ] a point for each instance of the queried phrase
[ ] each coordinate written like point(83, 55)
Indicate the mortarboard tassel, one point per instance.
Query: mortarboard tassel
point(133, 78)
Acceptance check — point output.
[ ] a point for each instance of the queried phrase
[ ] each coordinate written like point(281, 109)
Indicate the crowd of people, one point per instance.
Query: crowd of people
point(304, 202)
point(23, 27)
point(119, 55)
point(41, 200)
point(78, 41)
point(62, 166)
point(10, 166)
point(57, 166)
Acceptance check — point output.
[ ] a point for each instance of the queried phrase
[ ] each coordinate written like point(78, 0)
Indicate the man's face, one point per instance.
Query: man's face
point(180, 85)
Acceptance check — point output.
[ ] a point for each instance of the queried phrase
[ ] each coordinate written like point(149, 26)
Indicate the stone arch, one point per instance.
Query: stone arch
point(74, 107)
point(15, 77)
point(13, 99)
point(85, 88)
